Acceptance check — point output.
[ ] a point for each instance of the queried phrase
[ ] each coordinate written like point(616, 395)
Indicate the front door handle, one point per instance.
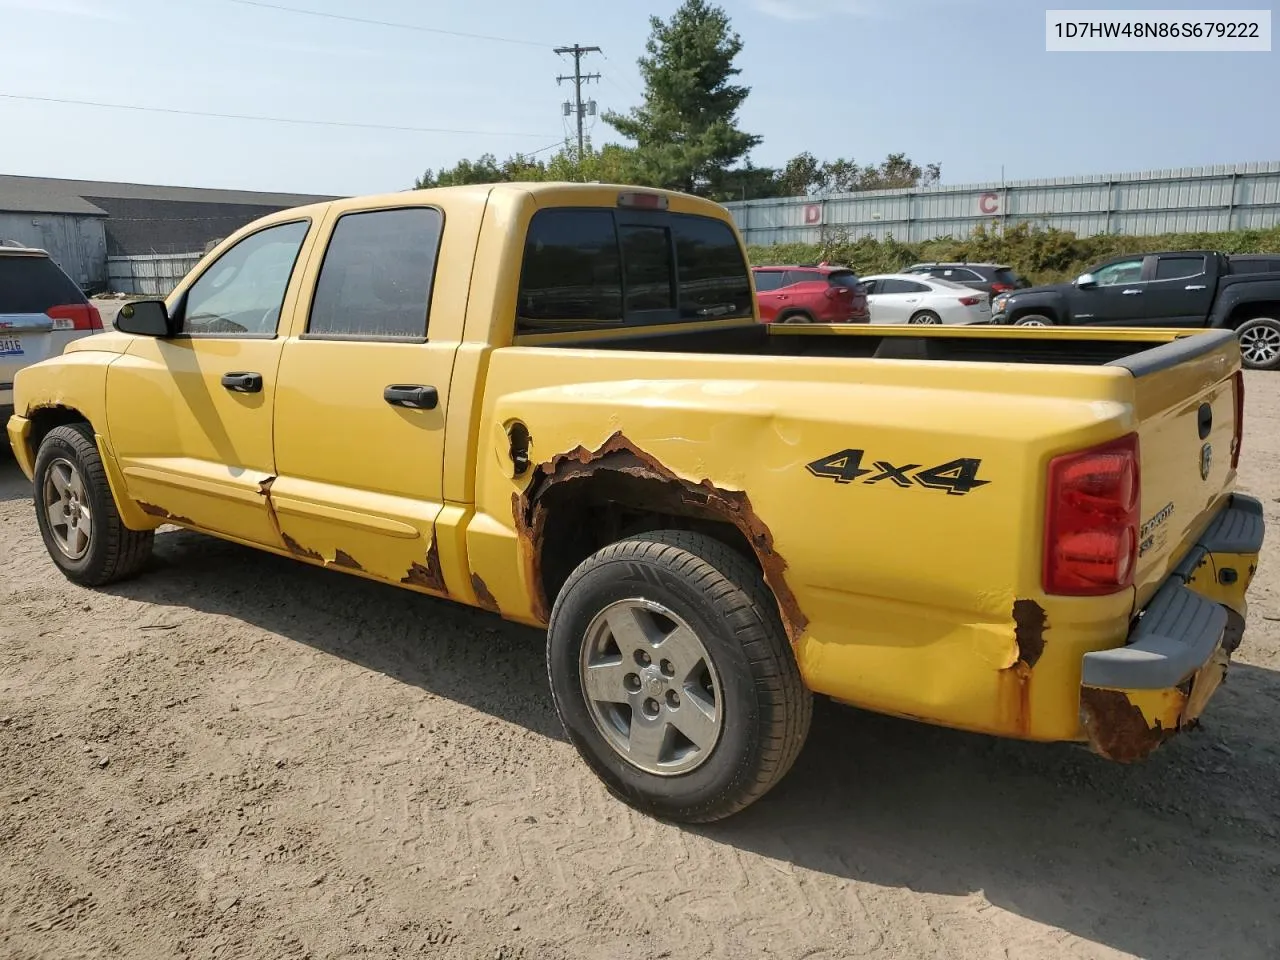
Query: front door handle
point(1130, 293)
point(242, 382)
point(411, 395)
point(1194, 286)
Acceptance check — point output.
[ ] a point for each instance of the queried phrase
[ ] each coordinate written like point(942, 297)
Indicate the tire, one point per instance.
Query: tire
point(925, 317)
point(96, 547)
point(675, 583)
point(1260, 343)
point(796, 318)
point(1033, 320)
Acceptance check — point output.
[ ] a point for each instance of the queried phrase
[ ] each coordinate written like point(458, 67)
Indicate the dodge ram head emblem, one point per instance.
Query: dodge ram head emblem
point(1206, 460)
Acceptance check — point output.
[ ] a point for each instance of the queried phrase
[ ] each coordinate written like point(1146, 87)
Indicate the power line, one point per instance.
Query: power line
point(245, 116)
point(386, 23)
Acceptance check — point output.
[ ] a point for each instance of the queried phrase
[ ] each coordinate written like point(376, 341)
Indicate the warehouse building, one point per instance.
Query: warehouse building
point(85, 224)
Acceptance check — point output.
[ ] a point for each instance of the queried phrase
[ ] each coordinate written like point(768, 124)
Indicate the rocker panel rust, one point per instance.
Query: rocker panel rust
point(484, 596)
point(429, 575)
point(619, 455)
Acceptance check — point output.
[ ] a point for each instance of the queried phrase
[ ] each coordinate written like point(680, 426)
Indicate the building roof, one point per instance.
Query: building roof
point(49, 195)
point(33, 195)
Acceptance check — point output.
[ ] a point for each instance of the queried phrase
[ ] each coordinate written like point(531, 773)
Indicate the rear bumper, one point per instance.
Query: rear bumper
point(1135, 697)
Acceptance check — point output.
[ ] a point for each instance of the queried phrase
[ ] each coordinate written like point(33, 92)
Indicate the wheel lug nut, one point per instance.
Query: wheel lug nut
point(643, 658)
point(632, 682)
point(673, 699)
point(651, 708)
point(668, 668)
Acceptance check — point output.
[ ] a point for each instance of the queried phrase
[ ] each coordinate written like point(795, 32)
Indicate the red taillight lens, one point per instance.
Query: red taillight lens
point(75, 316)
point(838, 293)
point(1091, 520)
point(971, 301)
point(1001, 287)
point(1237, 436)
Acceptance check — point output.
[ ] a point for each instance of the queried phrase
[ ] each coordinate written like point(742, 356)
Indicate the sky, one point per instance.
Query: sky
point(965, 83)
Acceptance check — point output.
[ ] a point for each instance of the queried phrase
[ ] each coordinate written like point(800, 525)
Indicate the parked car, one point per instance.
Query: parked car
point(1185, 288)
point(555, 402)
point(41, 311)
point(915, 298)
point(991, 278)
point(817, 294)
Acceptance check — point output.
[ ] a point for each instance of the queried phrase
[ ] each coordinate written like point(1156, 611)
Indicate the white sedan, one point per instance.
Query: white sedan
point(911, 298)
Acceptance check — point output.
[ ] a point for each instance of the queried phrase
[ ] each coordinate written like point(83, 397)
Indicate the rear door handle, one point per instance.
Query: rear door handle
point(411, 395)
point(242, 382)
point(1130, 293)
point(1194, 286)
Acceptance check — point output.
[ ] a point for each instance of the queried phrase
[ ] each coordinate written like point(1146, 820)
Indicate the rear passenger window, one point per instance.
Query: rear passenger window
point(768, 280)
point(572, 270)
point(1179, 268)
point(375, 283)
point(801, 276)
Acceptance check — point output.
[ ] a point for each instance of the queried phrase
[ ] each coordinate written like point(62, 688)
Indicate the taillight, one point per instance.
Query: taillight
point(1091, 520)
point(75, 316)
point(835, 293)
point(1237, 435)
point(1000, 287)
point(970, 301)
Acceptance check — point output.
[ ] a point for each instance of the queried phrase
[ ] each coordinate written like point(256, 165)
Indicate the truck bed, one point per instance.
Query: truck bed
point(1139, 350)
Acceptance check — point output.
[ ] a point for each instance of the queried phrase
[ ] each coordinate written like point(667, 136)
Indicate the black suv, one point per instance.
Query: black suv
point(992, 278)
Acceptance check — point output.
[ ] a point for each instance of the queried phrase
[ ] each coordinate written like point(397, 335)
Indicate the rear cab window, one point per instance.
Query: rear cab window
point(593, 268)
point(34, 284)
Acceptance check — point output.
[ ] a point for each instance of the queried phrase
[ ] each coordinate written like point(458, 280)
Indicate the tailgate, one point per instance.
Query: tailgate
point(1187, 397)
point(25, 338)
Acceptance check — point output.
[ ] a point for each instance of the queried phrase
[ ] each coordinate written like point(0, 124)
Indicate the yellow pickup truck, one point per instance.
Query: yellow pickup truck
point(556, 402)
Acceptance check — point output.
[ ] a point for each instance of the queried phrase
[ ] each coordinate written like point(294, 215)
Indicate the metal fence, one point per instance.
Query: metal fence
point(151, 274)
point(1187, 200)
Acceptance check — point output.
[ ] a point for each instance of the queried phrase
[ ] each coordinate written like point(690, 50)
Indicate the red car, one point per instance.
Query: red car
point(821, 294)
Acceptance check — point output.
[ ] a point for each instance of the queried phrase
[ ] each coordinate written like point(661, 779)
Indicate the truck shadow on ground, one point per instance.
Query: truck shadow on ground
point(1173, 857)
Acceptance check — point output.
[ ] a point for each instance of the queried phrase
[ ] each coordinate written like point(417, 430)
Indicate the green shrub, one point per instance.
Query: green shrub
point(1041, 254)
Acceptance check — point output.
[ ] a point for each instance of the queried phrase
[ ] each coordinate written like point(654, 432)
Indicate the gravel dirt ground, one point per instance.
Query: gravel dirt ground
point(238, 756)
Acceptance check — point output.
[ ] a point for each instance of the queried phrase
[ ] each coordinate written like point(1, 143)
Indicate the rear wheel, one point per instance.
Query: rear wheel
point(673, 676)
point(77, 515)
point(1260, 343)
point(1033, 320)
point(925, 317)
point(798, 317)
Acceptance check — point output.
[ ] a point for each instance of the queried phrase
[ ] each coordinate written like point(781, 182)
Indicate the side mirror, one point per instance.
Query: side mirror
point(1086, 281)
point(146, 318)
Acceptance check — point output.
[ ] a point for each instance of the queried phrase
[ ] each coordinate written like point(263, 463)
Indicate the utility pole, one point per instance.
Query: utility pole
point(577, 107)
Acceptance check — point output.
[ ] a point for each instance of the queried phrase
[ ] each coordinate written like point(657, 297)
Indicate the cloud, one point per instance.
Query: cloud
point(86, 9)
point(798, 10)
point(812, 9)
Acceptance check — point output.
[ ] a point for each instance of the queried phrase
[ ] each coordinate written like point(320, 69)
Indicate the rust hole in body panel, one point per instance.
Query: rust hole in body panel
point(343, 559)
point(1116, 727)
point(483, 596)
point(659, 490)
point(151, 510)
point(298, 550)
point(427, 575)
point(1029, 624)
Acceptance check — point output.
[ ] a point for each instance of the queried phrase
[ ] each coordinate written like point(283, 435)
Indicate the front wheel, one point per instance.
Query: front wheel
point(1260, 343)
point(925, 317)
point(1033, 320)
point(673, 676)
point(77, 515)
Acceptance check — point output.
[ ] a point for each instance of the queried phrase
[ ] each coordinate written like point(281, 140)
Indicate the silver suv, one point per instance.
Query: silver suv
point(41, 311)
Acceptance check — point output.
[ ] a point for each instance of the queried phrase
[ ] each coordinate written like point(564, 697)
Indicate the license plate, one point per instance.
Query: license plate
point(10, 347)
